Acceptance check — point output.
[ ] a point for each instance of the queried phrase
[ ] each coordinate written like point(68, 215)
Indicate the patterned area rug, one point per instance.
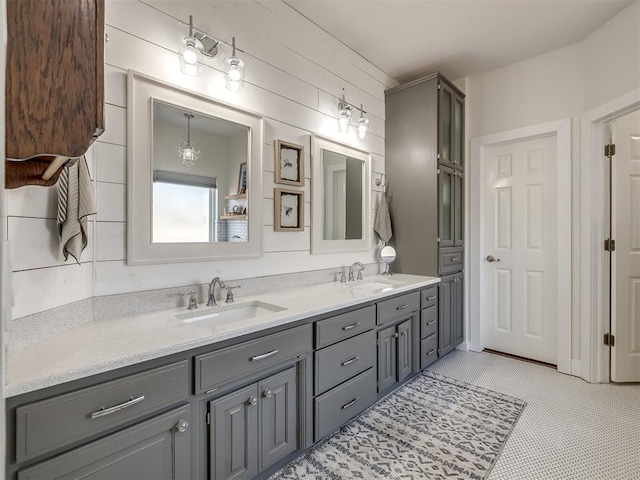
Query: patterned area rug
point(433, 427)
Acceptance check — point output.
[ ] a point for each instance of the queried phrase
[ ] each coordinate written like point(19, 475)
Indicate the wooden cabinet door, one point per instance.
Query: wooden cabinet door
point(387, 358)
point(233, 435)
point(278, 417)
point(458, 309)
point(405, 350)
point(157, 449)
point(445, 316)
point(458, 209)
point(446, 200)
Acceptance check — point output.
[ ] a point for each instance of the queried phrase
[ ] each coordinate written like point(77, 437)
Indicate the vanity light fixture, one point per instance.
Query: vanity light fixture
point(344, 118)
point(234, 68)
point(188, 153)
point(198, 46)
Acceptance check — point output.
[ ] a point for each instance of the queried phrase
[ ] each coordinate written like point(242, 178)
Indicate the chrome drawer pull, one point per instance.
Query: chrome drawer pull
point(351, 403)
point(431, 298)
point(353, 325)
point(349, 362)
point(263, 356)
point(454, 259)
point(431, 323)
point(402, 307)
point(431, 352)
point(108, 411)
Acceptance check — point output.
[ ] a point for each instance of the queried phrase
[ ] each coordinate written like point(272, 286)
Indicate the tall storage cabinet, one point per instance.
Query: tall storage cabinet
point(425, 171)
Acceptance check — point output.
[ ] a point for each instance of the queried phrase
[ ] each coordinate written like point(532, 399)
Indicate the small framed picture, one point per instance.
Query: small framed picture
point(242, 178)
point(289, 210)
point(289, 163)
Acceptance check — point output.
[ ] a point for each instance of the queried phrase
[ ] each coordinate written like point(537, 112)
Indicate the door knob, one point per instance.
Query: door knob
point(491, 259)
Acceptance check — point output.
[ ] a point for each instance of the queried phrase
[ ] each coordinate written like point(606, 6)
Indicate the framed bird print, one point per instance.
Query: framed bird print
point(289, 210)
point(289, 163)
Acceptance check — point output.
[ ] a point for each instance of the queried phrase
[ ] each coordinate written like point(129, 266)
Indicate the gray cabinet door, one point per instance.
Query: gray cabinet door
point(445, 316)
point(458, 309)
point(387, 358)
point(405, 350)
point(152, 450)
point(234, 435)
point(278, 417)
point(446, 186)
point(458, 209)
point(458, 132)
point(445, 123)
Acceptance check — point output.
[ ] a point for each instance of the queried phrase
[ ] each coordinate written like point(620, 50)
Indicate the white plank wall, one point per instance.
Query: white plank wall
point(296, 73)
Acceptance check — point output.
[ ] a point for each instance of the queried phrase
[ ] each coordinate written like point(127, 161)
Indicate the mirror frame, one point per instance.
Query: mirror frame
point(318, 242)
point(142, 90)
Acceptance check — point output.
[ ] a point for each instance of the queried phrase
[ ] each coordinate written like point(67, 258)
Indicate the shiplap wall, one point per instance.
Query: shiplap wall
point(295, 74)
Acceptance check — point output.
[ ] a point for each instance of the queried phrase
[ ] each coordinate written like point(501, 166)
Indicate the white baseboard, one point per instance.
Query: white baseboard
point(576, 368)
point(464, 346)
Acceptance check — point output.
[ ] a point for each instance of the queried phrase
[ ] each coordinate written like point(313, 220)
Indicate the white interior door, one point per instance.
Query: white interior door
point(520, 242)
point(625, 307)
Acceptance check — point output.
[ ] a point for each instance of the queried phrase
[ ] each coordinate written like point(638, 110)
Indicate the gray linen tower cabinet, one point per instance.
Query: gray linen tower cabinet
point(425, 170)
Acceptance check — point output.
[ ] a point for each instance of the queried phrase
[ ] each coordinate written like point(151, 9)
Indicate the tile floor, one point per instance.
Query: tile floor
point(570, 429)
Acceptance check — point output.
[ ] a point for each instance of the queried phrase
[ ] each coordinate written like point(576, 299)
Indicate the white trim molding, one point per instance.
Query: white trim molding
point(594, 296)
point(562, 130)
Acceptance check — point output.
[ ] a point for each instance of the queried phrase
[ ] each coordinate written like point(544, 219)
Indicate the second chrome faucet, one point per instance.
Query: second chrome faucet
point(211, 302)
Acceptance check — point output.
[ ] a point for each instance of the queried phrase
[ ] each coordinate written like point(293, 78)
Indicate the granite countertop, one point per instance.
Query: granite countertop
point(100, 346)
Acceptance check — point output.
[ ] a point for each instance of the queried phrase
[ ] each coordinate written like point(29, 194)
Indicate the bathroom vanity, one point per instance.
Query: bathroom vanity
point(173, 394)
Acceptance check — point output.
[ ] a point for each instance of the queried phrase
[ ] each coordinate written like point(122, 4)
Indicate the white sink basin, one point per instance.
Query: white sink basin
point(374, 286)
point(217, 316)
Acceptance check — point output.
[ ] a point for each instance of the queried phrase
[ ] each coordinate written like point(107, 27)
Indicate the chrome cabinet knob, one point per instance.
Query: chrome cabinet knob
point(182, 426)
point(267, 394)
point(396, 334)
point(491, 259)
point(252, 400)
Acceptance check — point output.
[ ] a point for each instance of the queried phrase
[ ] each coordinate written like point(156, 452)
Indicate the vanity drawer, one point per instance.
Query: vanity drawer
point(428, 350)
point(451, 260)
point(219, 367)
point(341, 404)
point(429, 296)
point(398, 307)
point(59, 421)
point(335, 364)
point(343, 326)
point(428, 321)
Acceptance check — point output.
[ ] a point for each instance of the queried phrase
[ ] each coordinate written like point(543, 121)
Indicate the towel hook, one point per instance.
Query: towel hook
point(379, 182)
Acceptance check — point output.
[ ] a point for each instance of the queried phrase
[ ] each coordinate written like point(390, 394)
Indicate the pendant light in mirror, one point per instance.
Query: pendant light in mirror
point(187, 152)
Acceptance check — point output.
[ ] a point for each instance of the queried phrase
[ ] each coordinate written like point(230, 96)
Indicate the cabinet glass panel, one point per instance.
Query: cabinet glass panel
point(446, 207)
point(445, 151)
point(457, 133)
point(458, 206)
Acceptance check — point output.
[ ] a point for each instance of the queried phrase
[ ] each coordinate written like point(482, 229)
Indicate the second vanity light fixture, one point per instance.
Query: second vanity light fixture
point(344, 118)
point(198, 45)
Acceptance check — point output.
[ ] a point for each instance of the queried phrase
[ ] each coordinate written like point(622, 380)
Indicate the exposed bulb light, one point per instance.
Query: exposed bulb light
point(191, 53)
point(188, 154)
point(344, 116)
point(234, 68)
point(363, 124)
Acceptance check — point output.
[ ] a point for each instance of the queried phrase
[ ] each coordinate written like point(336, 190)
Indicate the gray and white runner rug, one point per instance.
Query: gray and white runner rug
point(433, 427)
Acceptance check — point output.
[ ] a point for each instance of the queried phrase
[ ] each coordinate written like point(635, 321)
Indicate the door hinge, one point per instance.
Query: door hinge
point(438, 157)
point(610, 150)
point(438, 85)
point(609, 340)
point(438, 238)
point(609, 245)
point(207, 418)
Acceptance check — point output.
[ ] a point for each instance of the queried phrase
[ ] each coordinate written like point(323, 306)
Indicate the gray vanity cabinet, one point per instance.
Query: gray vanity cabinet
point(157, 449)
point(450, 313)
point(395, 354)
point(450, 126)
point(254, 427)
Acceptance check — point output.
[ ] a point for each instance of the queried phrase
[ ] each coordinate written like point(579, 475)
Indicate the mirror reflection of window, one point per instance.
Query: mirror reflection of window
point(191, 199)
point(343, 208)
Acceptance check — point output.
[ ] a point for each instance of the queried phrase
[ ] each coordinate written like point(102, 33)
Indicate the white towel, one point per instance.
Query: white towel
point(382, 224)
point(75, 203)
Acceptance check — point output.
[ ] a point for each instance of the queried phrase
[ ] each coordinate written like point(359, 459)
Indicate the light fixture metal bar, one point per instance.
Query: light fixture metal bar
point(343, 103)
point(207, 35)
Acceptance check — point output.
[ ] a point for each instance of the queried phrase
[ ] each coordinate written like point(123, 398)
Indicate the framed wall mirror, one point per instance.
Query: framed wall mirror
point(194, 176)
point(341, 197)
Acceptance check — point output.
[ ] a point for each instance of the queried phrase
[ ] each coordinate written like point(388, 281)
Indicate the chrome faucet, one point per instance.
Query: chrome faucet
point(360, 268)
point(211, 302)
point(230, 294)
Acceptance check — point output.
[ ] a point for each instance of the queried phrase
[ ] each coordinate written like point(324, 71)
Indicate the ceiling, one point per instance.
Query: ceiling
point(410, 38)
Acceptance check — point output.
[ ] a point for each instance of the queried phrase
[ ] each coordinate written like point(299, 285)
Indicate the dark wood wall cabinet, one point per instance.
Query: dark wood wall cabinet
point(424, 165)
point(54, 86)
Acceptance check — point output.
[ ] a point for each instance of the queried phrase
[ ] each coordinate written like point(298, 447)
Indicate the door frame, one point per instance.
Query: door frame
point(475, 239)
point(594, 177)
